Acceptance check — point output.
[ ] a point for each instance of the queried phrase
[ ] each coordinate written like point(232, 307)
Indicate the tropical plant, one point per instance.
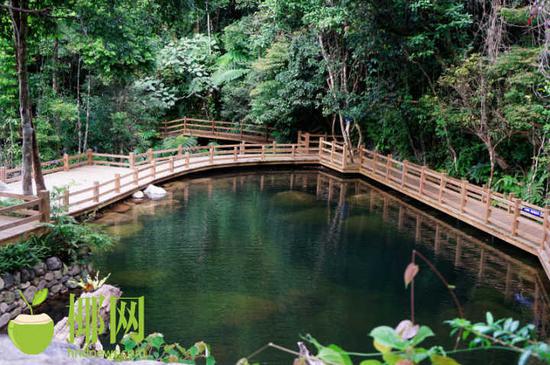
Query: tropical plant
point(154, 347)
point(89, 284)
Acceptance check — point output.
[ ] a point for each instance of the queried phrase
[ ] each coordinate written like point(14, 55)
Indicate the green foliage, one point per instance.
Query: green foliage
point(174, 142)
point(154, 347)
point(103, 74)
point(21, 255)
point(505, 332)
point(65, 239)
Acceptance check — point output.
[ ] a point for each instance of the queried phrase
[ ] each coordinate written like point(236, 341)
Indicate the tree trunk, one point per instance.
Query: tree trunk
point(78, 119)
point(30, 155)
point(55, 84)
point(492, 159)
point(85, 142)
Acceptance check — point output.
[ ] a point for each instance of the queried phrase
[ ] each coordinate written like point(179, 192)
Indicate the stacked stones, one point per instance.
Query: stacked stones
point(51, 274)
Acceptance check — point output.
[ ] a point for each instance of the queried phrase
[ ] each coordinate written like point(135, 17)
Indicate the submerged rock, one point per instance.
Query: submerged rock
point(154, 192)
point(293, 199)
point(121, 208)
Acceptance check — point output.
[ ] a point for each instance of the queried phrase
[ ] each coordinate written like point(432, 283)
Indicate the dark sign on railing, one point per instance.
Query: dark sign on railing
point(535, 212)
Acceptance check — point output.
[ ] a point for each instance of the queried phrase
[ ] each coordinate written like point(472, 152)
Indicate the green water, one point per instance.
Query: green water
point(242, 260)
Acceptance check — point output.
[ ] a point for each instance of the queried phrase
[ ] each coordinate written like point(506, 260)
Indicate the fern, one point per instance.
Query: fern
point(221, 77)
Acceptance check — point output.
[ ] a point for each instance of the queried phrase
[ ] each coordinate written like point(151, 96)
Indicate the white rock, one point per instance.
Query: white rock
point(138, 195)
point(154, 192)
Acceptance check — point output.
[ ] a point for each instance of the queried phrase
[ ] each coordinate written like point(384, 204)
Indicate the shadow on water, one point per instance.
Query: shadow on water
point(242, 259)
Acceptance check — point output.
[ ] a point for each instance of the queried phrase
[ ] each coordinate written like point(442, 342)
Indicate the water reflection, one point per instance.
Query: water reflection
point(254, 257)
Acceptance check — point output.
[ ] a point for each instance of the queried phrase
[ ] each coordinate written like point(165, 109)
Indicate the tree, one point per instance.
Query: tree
point(19, 12)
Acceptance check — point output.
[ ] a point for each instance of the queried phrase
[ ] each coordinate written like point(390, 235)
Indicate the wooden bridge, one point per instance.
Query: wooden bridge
point(89, 181)
point(245, 132)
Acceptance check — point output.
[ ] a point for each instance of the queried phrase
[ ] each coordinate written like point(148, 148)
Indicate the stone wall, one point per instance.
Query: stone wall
point(51, 274)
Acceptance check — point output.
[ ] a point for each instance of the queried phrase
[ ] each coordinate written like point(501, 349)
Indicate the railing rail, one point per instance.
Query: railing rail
point(26, 209)
point(520, 223)
point(217, 129)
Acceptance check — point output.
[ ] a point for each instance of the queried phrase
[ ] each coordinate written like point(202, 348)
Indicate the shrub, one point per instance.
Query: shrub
point(66, 239)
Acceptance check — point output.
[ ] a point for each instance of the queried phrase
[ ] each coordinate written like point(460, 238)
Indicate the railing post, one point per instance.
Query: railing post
point(90, 156)
point(307, 142)
point(515, 222)
point(274, 148)
point(293, 151)
point(463, 195)
point(66, 163)
point(132, 159)
point(422, 180)
point(180, 151)
point(388, 163)
point(545, 225)
point(66, 197)
point(117, 183)
point(184, 124)
point(374, 162)
point(442, 186)
point(241, 148)
point(321, 142)
point(150, 154)
point(404, 173)
point(262, 156)
point(235, 152)
point(136, 176)
point(44, 205)
point(171, 164)
point(488, 205)
point(344, 156)
point(187, 158)
point(299, 138)
point(96, 191)
point(332, 152)
point(211, 154)
point(2, 173)
point(153, 169)
point(361, 156)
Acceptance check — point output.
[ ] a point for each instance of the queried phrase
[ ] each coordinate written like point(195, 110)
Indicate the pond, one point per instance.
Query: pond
point(242, 259)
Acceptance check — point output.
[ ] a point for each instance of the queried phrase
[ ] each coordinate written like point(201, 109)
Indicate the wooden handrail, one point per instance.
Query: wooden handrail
point(523, 224)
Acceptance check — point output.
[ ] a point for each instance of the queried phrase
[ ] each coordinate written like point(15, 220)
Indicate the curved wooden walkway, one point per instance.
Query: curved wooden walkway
point(213, 129)
point(91, 180)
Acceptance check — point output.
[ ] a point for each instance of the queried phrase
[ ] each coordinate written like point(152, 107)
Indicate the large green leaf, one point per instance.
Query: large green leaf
point(39, 297)
point(423, 333)
point(333, 355)
point(387, 336)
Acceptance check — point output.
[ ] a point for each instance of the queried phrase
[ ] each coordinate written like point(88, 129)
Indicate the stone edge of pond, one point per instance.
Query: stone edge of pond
point(50, 273)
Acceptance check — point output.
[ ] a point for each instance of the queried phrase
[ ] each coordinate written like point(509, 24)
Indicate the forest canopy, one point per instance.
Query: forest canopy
point(462, 86)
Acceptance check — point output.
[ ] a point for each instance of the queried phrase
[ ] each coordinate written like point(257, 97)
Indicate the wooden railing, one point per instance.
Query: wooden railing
point(522, 224)
point(147, 167)
point(26, 209)
point(513, 220)
point(217, 129)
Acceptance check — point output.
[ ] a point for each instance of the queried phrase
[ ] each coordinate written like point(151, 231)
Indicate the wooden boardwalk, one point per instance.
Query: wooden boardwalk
point(89, 181)
point(240, 132)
